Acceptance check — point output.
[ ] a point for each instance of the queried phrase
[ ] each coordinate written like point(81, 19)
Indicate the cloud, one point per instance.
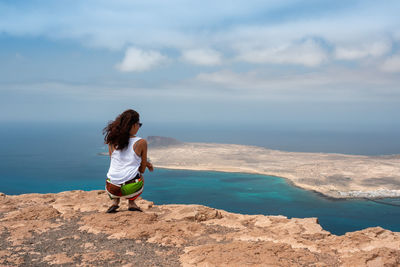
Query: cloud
point(206, 57)
point(182, 25)
point(329, 83)
point(119, 23)
point(264, 80)
point(272, 32)
point(374, 49)
point(140, 60)
point(391, 64)
point(308, 53)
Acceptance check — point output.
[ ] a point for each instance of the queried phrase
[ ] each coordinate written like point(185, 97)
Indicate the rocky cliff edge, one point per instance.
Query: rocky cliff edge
point(72, 229)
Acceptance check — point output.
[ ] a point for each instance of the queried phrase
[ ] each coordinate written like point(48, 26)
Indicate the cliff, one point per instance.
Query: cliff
point(72, 229)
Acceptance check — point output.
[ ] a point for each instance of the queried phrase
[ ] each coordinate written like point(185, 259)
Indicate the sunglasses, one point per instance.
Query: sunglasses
point(140, 124)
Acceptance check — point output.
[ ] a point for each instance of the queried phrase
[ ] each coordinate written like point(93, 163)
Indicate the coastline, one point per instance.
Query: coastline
point(377, 194)
point(333, 175)
point(286, 179)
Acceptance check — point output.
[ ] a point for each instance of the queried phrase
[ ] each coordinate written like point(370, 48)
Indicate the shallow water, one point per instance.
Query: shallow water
point(37, 161)
point(259, 194)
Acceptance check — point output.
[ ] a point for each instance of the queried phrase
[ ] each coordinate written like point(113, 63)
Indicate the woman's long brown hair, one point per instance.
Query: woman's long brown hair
point(117, 131)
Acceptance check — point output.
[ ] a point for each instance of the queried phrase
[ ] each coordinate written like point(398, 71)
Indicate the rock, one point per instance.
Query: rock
point(38, 230)
point(60, 258)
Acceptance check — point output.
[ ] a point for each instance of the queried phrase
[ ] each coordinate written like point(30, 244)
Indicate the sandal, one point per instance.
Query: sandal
point(134, 209)
point(112, 209)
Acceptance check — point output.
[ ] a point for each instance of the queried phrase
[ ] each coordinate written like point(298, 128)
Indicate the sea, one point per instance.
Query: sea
point(46, 157)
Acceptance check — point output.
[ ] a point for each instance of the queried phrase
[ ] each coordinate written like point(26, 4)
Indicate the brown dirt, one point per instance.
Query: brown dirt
point(72, 229)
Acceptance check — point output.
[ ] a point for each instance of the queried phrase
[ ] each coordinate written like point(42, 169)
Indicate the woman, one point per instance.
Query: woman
point(128, 154)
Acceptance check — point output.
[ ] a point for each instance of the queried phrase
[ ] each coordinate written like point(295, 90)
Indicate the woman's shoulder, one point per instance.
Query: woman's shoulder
point(139, 140)
point(142, 141)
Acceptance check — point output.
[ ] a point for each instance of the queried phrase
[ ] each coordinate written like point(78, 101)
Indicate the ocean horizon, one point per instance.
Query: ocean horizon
point(362, 140)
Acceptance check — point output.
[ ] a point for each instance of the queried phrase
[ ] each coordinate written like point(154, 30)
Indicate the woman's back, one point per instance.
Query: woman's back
point(124, 164)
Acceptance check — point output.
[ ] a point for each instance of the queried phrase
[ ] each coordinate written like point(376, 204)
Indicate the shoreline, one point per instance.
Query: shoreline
point(286, 179)
point(333, 175)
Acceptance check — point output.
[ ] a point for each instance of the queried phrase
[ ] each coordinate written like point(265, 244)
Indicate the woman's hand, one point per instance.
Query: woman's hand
point(150, 166)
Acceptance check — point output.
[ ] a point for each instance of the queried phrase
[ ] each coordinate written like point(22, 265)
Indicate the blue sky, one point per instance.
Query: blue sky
point(318, 63)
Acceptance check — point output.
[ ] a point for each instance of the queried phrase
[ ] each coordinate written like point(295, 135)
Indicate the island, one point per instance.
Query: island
point(331, 174)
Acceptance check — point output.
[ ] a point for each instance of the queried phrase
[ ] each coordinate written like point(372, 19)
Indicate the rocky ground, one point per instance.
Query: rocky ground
point(334, 175)
point(72, 229)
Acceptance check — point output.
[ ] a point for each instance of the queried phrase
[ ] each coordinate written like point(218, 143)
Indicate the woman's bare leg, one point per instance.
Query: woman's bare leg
point(132, 204)
point(113, 208)
point(115, 201)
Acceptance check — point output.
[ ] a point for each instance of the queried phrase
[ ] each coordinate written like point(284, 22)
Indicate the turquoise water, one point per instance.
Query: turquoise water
point(259, 194)
point(33, 159)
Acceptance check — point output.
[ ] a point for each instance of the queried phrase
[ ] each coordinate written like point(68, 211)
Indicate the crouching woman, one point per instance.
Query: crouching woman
point(128, 153)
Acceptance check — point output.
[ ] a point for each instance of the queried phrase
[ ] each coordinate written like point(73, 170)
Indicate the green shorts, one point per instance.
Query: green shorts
point(130, 190)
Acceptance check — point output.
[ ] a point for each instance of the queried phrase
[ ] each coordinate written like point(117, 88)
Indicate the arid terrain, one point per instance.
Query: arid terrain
point(334, 175)
point(72, 229)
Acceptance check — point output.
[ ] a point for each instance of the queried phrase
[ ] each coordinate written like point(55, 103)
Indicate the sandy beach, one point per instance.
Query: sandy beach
point(333, 175)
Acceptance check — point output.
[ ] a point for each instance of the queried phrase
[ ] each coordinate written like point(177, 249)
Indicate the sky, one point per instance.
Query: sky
point(321, 64)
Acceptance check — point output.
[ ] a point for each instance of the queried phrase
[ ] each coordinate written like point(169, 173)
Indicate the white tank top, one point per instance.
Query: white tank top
point(124, 164)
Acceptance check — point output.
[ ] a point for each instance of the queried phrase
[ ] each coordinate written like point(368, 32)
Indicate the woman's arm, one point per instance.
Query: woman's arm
point(141, 150)
point(110, 149)
point(150, 166)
